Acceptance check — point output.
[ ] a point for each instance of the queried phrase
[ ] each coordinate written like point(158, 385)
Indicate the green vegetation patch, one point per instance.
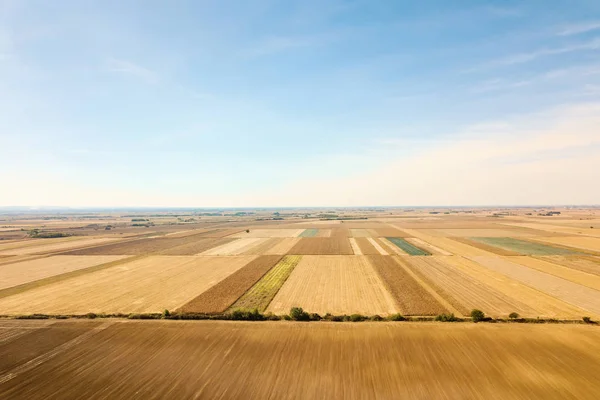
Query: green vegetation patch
point(309, 233)
point(260, 295)
point(408, 247)
point(523, 247)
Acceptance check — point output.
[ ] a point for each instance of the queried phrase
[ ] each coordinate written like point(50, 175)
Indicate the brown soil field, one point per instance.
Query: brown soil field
point(29, 271)
point(44, 248)
point(199, 245)
point(150, 284)
point(235, 247)
point(222, 295)
point(360, 233)
point(336, 285)
point(15, 244)
point(573, 275)
point(465, 293)
point(588, 264)
point(577, 242)
point(390, 232)
point(269, 233)
point(483, 246)
point(340, 233)
point(380, 247)
point(283, 246)
point(279, 360)
point(366, 247)
point(322, 246)
point(137, 246)
point(544, 305)
point(411, 298)
point(569, 292)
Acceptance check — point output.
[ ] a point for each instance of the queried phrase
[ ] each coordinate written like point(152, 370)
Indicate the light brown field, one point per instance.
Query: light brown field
point(573, 275)
point(428, 247)
point(567, 291)
point(555, 228)
point(378, 246)
point(29, 271)
point(357, 251)
point(366, 246)
point(411, 297)
point(40, 246)
point(486, 247)
point(389, 232)
point(323, 233)
point(150, 284)
point(579, 242)
point(336, 285)
point(283, 246)
point(322, 246)
point(588, 264)
point(269, 233)
point(449, 245)
point(279, 360)
point(483, 233)
point(236, 247)
point(360, 233)
point(199, 245)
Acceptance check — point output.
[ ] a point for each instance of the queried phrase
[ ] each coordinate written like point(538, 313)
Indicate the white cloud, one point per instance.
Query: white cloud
point(581, 27)
point(130, 68)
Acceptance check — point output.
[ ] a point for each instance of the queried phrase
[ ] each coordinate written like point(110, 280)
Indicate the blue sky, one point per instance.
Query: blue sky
point(291, 103)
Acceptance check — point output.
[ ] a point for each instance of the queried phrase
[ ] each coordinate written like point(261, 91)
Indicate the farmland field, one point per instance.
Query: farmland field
point(336, 285)
point(522, 247)
point(309, 233)
point(322, 246)
point(577, 242)
point(407, 247)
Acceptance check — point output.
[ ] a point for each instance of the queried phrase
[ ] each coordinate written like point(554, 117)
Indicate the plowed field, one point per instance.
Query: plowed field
point(322, 246)
point(43, 248)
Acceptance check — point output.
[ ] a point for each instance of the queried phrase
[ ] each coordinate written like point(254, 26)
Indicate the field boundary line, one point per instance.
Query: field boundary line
point(31, 364)
point(428, 288)
point(62, 277)
point(378, 247)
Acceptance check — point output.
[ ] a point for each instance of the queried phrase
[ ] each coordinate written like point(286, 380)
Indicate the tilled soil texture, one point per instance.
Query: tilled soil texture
point(366, 246)
point(322, 246)
point(324, 360)
point(411, 297)
point(140, 246)
point(221, 296)
point(197, 246)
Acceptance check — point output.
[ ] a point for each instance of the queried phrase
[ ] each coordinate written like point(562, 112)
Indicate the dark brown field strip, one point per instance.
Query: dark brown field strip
point(322, 246)
point(197, 246)
point(338, 232)
point(61, 277)
point(486, 247)
point(221, 296)
point(38, 342)
point(366, 247)
point(411, 297)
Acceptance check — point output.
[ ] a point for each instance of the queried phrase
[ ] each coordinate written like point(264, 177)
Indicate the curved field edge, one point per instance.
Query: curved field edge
point(260, 295)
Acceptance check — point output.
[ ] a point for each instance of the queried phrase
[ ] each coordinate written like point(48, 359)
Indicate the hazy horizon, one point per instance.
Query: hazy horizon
point(229, 104)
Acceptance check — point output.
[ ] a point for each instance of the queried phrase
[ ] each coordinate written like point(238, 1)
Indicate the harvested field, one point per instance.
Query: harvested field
point(261, 294)
point(219, 233)
point(309, 233)
point(555, 229)
point(408, 247)
point(411, 298)
point(340, 232)
point(323, 233)
point(20, 243)
point(366, 246)
point(360, 233)
point(357, 251)
point(450, 245)
point(487, 247)
point(582, 278)
point(322, 246)
point(577, 242)
point(427, 247)
point(238, 246)
point(222, 295)
point(462, 291)
point(29, 271)
point(522, 247)
point(43, 248)
point(569, 292)
point(283, 246)
point(389, 232)
point(277, 360)
point(544, 305)
point(334, 284)
point(269, 233)
point(198, 246)
point(149, 284)
point(588, 264)
point(263, 247)
point(379, 246)
point(484, 233)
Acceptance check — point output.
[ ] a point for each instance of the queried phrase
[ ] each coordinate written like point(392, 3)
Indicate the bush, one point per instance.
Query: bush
point(513, 315)
point(446, 318)
point(376, 318)
point(315, 317)
point(338, 318)
point(396, 317)
point(298, 314)
point(477, 315)
point(287, 318)
point(357, 318)
point(166, 314)
point(587, 320)
point(272, 317)
point(90, 315)
point(244, 315)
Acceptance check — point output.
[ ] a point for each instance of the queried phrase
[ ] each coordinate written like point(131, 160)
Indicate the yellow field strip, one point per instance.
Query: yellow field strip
point(582, 278)
point(555, 228)
point(428, 246)
point(357, 251)
point(377, 246)
point(284, 245)
point(448, 244)
point(234, 248)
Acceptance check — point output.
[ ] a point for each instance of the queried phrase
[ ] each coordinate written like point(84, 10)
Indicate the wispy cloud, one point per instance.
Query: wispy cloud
point(499, 84)
point(581, 27)
point(130, 68)
point(278, 44)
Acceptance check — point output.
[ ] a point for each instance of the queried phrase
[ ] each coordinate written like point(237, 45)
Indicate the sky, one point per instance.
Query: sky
point(299, 103)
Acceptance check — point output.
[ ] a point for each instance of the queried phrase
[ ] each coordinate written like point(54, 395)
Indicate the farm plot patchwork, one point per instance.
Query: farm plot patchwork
point(366, 246)
point(309, 233)
point(522, 247)
point(28, 271)
point(411, 297)
point(569, 292)
point(579, 242)
point(487, 247)
point(573, 275)
point(150, 284)
point(283, 246)
point(261, 294)
point(420, 243)
point(42, 247)
point(588, 264)
point(222, 295)
point(408, 247)
point(334, 284)
point(269, 233)
point(238, 246)
point(322, 246)
point(360, 233)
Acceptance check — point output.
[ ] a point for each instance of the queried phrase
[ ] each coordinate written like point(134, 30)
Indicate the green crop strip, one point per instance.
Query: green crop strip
point(408, 247)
